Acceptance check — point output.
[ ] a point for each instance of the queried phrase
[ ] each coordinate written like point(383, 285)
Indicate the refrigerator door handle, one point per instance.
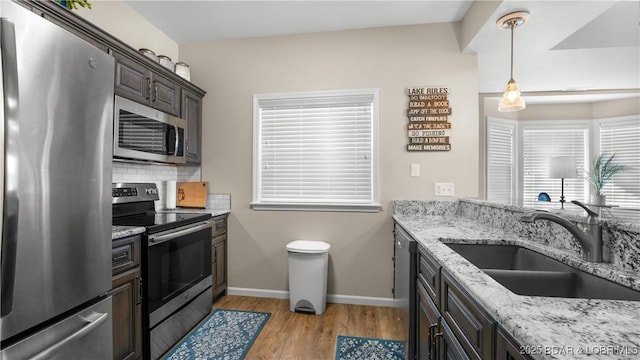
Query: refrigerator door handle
point(92, 324)
point(10, 162)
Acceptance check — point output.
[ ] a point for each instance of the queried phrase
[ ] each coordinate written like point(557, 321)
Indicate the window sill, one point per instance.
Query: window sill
point(363, 208)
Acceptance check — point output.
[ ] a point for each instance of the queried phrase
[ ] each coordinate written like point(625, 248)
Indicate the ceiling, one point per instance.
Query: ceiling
point(565, 46)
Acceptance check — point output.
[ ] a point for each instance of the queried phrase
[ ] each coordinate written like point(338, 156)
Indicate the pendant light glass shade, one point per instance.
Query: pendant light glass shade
point(511, 99)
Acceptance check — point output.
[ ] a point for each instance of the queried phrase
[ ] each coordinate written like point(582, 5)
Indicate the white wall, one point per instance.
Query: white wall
point(121, 21)
point(390, 59)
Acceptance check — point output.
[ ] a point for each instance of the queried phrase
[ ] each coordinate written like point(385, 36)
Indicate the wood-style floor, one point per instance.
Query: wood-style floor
point(297, 336)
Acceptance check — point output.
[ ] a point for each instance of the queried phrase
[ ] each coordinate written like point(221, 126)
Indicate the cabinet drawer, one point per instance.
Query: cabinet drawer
point(469, 323)
point(125, 254)
point(220, 225)
point(429, 274)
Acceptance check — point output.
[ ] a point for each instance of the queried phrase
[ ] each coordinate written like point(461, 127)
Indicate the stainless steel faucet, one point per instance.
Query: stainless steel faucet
point(590, 240)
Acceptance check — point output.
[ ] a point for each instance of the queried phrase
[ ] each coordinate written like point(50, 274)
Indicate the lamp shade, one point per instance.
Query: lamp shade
point(562, 167)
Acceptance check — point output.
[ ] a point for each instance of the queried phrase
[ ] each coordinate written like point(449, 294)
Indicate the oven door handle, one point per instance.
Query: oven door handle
point(159, 239)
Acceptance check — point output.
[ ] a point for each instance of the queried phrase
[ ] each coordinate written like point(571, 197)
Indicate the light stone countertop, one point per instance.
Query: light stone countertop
point(214, 212)
point(547, 327)
point(118, 232)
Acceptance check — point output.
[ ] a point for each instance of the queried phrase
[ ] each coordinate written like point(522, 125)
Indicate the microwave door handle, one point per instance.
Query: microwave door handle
point(169, 142)
point(9, 161)
point(175, 150)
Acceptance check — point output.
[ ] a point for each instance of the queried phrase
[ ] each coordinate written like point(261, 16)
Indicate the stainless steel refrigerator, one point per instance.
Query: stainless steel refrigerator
point(56, 143)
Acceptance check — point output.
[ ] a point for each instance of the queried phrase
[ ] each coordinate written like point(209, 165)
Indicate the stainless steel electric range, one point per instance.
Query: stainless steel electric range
point(176, 265)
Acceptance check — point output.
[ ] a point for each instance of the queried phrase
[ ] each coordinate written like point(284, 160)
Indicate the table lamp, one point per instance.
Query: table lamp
point(562, 167)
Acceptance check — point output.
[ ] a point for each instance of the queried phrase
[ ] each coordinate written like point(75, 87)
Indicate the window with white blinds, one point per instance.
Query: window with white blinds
point(316, 151)
point(539, 144)
point(622, 138)
point(501, 161)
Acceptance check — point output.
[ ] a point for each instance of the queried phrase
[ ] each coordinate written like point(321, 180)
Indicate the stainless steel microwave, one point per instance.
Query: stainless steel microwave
point(143, 133)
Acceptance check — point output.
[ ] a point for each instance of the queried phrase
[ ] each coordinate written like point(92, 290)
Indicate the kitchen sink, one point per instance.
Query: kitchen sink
point(526, 272)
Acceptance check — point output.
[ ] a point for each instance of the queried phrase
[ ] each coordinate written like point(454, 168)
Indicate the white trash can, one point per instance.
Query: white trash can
point(308, 265)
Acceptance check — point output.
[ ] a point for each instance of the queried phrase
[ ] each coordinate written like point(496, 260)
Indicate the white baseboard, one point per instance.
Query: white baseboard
point(332, 298)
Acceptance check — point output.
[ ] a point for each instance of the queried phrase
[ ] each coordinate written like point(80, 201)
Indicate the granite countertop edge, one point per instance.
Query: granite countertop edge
point(214, 212)
point(118, 232)
point(546, 327)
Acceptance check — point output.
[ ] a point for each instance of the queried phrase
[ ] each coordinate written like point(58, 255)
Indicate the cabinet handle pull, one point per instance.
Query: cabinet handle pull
point(138, 290)
point(148, 95)
point(155, 92)
point(118, 258)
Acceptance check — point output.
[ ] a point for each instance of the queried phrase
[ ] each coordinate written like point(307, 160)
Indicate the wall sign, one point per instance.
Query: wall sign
point(429, 128)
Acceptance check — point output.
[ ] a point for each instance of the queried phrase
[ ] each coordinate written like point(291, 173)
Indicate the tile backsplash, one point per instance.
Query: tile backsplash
point(160, 174)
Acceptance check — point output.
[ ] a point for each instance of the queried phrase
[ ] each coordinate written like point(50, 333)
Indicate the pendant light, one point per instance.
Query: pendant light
point(511, 99)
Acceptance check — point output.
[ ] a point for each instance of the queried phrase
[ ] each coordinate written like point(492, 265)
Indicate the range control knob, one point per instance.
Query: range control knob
point(151, 191)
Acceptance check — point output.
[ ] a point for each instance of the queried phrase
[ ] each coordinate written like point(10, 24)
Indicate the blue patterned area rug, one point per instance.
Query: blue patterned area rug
point(359, 348)
point(225, 334)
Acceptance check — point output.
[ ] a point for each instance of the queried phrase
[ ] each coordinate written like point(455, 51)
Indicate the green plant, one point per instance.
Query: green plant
point(73, 4)
point(603, 169)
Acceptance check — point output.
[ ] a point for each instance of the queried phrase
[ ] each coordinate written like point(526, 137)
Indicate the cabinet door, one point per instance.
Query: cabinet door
point(132, 80)
point(507, 348)
point(451, 348)
point(219, 265)
point(165, 95)
point(428, 325)
point(127, 315)
point(192, 112)
point(468, 321)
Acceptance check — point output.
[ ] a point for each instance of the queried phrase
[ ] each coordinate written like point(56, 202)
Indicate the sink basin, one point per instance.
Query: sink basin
point(526, 272)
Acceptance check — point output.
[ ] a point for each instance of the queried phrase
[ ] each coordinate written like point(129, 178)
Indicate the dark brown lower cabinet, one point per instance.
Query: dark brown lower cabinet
point(507, 348)
point(468, 321)
point(451, 347)
point(428, 326)
point(451, 324)
point(126, 295)
point(219, 256)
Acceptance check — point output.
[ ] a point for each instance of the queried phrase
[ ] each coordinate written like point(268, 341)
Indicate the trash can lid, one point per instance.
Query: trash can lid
point(308, 246)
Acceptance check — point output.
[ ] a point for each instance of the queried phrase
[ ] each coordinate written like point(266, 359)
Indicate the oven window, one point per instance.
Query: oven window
point(177, 264)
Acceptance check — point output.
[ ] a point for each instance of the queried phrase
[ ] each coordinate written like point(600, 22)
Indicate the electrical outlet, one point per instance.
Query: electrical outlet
point(444, 189)
point(415, 169)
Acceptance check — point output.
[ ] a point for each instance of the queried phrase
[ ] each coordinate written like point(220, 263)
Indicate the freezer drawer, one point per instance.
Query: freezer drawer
point(84, 335)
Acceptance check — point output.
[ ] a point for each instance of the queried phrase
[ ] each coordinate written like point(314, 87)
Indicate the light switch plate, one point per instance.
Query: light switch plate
point(415, 169)
point(444, 189)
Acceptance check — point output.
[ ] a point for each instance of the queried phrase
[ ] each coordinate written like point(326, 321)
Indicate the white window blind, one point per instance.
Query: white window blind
point(539, 144)
point(501, 164)
point(623, 139)
point(316, 151)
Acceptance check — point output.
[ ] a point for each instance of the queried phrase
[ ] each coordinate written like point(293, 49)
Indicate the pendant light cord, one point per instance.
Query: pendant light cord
point(511, 25)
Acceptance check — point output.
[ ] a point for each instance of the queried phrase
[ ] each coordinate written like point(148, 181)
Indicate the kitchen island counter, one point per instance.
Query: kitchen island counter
point(545, 327)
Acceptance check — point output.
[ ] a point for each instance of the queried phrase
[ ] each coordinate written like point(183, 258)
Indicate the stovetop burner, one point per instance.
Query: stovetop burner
point(133, 205)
